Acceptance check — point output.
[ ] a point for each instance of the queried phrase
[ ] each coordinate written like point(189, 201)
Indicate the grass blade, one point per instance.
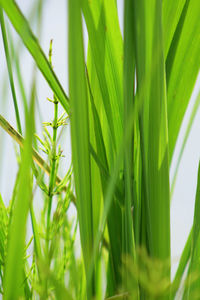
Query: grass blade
point(128, 89)
point(80, 134)
point(151, 94)
point(14, 276)
point(172, 10)
point(182, 67)
point(105, 68)
point(129, 80)
point(187, 132)
point(106, 49)
point(111, 189)
point(10, 73)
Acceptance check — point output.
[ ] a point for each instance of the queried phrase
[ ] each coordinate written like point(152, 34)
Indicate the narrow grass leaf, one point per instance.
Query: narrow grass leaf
point(110, 192)
point(98, 152)
point(10, 73)
point(153, 126)
point(172, 10)
point(105, 42)
point(182, 67)
point(187, 133)
point(129, 80)
point(128, 246)
point(14, 274)
point(80, 134)
point(105, 72)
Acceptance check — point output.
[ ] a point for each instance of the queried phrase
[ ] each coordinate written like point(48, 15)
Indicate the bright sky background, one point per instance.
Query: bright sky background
point(55, 26)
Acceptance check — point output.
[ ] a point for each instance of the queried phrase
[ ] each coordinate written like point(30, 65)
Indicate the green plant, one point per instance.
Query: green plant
point(125, 107)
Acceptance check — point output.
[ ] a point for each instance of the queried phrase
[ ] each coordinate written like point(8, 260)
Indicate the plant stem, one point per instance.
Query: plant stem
point(52, 158)
point(53, 167)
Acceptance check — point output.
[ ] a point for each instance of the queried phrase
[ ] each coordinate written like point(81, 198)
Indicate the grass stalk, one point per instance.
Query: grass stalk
point(52, 159)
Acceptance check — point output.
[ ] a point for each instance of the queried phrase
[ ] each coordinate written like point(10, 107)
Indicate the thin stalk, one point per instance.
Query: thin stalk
point(35, 155)
point(10, 73)
point(51, 183)
point(53, 167)
point(53, 160)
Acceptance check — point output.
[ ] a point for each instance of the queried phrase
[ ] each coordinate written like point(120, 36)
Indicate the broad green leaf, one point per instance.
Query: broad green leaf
point(21, 25)
point(80, 135)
